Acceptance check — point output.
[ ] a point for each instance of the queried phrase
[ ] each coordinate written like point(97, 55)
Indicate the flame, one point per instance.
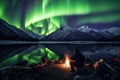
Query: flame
point(67, 61)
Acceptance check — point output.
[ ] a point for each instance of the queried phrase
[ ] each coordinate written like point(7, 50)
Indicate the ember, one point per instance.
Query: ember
point(67, 61)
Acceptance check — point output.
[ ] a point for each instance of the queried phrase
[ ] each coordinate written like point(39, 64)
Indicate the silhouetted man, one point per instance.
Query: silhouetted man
point(77, 61)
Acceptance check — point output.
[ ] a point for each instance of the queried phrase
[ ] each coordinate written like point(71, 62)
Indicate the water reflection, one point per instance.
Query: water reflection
point(11, 55)
point(32, 54)
point(89, 51)
point(96, 58)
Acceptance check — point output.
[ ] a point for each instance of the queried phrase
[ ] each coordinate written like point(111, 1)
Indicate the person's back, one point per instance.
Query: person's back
point(79, 59)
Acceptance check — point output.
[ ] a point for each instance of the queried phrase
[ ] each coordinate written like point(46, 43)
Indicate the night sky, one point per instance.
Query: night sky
point(75, 21)
point(46, 16)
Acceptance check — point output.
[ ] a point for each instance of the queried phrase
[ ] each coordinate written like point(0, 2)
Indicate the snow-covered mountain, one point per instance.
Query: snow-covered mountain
point(107, 33)
point(86, 29)
point(68, 33)
point(10, 32)
point(113, 30)
point(59, 34)
point(83, 33)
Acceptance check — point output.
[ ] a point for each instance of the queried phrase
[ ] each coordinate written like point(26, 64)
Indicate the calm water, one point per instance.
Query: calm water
point(13, 55)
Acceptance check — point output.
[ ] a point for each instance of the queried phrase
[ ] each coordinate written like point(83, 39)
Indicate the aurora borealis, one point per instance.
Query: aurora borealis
point(46, 16)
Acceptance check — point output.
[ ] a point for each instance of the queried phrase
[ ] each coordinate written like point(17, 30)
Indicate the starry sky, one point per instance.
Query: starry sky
point(46, 16)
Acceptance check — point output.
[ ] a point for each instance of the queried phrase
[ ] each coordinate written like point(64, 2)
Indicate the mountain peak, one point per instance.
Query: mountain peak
point(85, 29)
point(67, 28)
point(114, 30)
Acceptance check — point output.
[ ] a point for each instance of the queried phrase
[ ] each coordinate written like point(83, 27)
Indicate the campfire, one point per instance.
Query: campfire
point(67, 61)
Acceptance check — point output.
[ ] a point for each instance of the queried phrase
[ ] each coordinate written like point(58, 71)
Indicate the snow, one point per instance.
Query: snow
point(86, 29)
point(113, 30)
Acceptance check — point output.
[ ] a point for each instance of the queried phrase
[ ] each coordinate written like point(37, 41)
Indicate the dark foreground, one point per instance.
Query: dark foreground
point(54, 70)
point(47, 62)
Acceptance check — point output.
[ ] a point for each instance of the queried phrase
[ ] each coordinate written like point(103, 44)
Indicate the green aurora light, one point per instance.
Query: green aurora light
point(47, 15)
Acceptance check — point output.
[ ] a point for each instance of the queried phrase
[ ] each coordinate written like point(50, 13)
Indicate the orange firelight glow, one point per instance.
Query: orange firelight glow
point(101, 60)
point(96, 64)
point(67, 61)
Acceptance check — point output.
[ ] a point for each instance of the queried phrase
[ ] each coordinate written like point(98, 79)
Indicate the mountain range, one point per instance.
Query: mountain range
point(84, 33)
point(10, 32)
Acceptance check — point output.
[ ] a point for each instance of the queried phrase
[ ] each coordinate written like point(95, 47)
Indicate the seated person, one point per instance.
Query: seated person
point(77, 61)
